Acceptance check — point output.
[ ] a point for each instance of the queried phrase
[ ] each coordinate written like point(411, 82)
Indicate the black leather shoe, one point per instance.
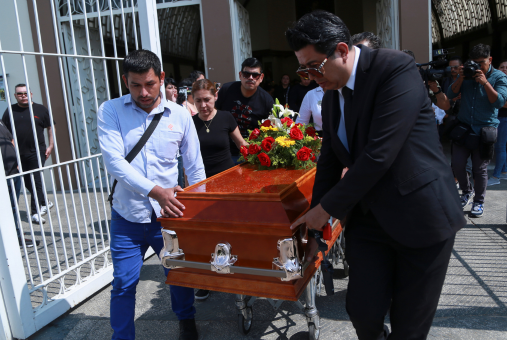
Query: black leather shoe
point(188, 331)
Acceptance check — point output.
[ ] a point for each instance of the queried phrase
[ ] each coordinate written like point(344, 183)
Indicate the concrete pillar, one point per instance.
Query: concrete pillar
point(54, 84)
point(415, 28)
point(218, 40)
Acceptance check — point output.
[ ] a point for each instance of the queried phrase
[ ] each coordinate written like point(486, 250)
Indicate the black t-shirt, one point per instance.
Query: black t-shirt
point(215, 150)
point(247, 111)
point(282, 94)
point(8, 151)
point(23, 123)
point(297, 94)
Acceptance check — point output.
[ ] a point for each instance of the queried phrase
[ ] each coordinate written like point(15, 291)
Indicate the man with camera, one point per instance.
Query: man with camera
point(483, 91)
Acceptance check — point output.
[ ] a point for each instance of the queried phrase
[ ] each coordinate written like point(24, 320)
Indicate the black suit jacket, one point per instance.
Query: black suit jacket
point(397, 168)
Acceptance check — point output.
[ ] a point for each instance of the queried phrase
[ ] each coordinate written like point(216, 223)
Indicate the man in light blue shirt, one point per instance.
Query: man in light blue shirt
point(146, 187)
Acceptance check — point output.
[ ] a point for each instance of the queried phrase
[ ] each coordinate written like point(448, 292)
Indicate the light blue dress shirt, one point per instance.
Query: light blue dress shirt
point(342, 132)
point(121, 123)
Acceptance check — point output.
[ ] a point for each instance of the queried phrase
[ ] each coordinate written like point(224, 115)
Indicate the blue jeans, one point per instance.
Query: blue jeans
point(15, 198)
point(500, 153)
point(129, 242)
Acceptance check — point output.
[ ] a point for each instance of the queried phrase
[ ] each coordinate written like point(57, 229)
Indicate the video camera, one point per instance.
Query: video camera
point(438, 68)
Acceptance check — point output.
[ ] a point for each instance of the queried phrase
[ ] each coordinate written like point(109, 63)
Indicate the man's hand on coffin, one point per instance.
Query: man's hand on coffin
point(315, 218)
point(170, 206)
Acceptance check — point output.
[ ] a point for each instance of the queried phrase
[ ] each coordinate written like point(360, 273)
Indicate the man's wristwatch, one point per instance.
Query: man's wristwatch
point(439, 91)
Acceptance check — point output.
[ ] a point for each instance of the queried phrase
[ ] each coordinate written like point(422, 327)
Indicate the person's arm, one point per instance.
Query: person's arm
point(328, 168)
point(442, 101)
point(480, 78)
point(505, 105)
point(305, 112)
point(237, 139)
point(455, 87)
point(49, 149)
point(191, 153)
point(113, 152)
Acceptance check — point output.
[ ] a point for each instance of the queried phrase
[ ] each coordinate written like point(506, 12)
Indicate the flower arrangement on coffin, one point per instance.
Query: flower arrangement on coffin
point(281, 143)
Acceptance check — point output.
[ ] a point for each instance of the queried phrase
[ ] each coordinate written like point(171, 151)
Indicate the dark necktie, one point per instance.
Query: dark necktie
point(342, 132)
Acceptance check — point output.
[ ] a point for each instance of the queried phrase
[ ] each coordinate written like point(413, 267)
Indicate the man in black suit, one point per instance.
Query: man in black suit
point(399, 196)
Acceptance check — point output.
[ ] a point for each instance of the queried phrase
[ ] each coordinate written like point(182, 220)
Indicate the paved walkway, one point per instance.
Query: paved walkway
point(472, 305)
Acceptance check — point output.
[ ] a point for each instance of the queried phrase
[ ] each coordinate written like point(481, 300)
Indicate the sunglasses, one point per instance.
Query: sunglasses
point(247, 75)
point(21, 94)
point(316, 72)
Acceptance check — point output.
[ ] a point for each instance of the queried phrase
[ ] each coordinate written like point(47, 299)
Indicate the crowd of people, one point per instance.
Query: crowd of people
point(387, 140)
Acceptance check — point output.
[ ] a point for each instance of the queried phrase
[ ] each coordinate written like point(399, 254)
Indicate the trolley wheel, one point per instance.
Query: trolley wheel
point(345, 268)
point(313, 332)
point(245, 325)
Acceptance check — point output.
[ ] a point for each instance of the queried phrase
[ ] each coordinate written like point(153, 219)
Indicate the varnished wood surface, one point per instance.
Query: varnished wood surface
point(248, 284)
point(251, 210)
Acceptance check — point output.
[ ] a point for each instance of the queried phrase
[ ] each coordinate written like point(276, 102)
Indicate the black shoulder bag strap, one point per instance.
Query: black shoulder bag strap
point(133, 153)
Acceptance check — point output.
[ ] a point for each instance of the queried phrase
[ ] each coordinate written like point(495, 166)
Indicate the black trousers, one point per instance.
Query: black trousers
point(460, 154)
point(386, 276)
point(29, 162)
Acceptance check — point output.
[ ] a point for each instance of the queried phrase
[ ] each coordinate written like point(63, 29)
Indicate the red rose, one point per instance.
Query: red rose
point(310, 131)
point(266, 123)
point(244, 151)
point(267, 143)
point(255, 133)
point(304, 154)
point(253, 149)
point(298, 124)
point(287, 120)
point(264, 159)
point(295, 133)
point(313, 158)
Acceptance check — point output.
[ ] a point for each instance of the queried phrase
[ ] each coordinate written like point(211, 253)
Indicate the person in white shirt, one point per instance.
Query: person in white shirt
point(311, 107)
point(146, 187)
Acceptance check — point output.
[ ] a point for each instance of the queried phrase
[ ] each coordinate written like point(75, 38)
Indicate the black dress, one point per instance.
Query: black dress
point(215, 150)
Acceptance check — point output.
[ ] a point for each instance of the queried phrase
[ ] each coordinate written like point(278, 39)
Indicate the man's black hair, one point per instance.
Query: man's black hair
point(319, 28)
point(374, 41)
point(252, 63)
point(168, 81)
point(409, 52)
point(480, 51)
point(456, 58)
point(19, 85)
point(141, 61)
point(196, 74)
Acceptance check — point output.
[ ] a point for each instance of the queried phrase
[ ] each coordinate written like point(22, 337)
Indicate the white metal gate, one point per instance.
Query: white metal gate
point(40, 283)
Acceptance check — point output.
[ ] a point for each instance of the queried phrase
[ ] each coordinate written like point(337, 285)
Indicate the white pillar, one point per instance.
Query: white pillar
point(13, 285)
point(148, 23)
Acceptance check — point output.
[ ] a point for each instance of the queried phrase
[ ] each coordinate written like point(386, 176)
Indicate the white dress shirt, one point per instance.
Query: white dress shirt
point(121, 123)
point(311, 107)
point(342, 132)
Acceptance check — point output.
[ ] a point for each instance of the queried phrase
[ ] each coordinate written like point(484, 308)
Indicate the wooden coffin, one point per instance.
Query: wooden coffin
point(251, 210)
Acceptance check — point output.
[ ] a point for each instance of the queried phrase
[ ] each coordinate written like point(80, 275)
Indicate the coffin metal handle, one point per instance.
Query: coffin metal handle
point(288, 259)
point(222, 259)
point(171, 249)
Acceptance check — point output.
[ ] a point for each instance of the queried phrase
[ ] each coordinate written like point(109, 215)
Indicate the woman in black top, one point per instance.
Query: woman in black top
point(214, 129)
